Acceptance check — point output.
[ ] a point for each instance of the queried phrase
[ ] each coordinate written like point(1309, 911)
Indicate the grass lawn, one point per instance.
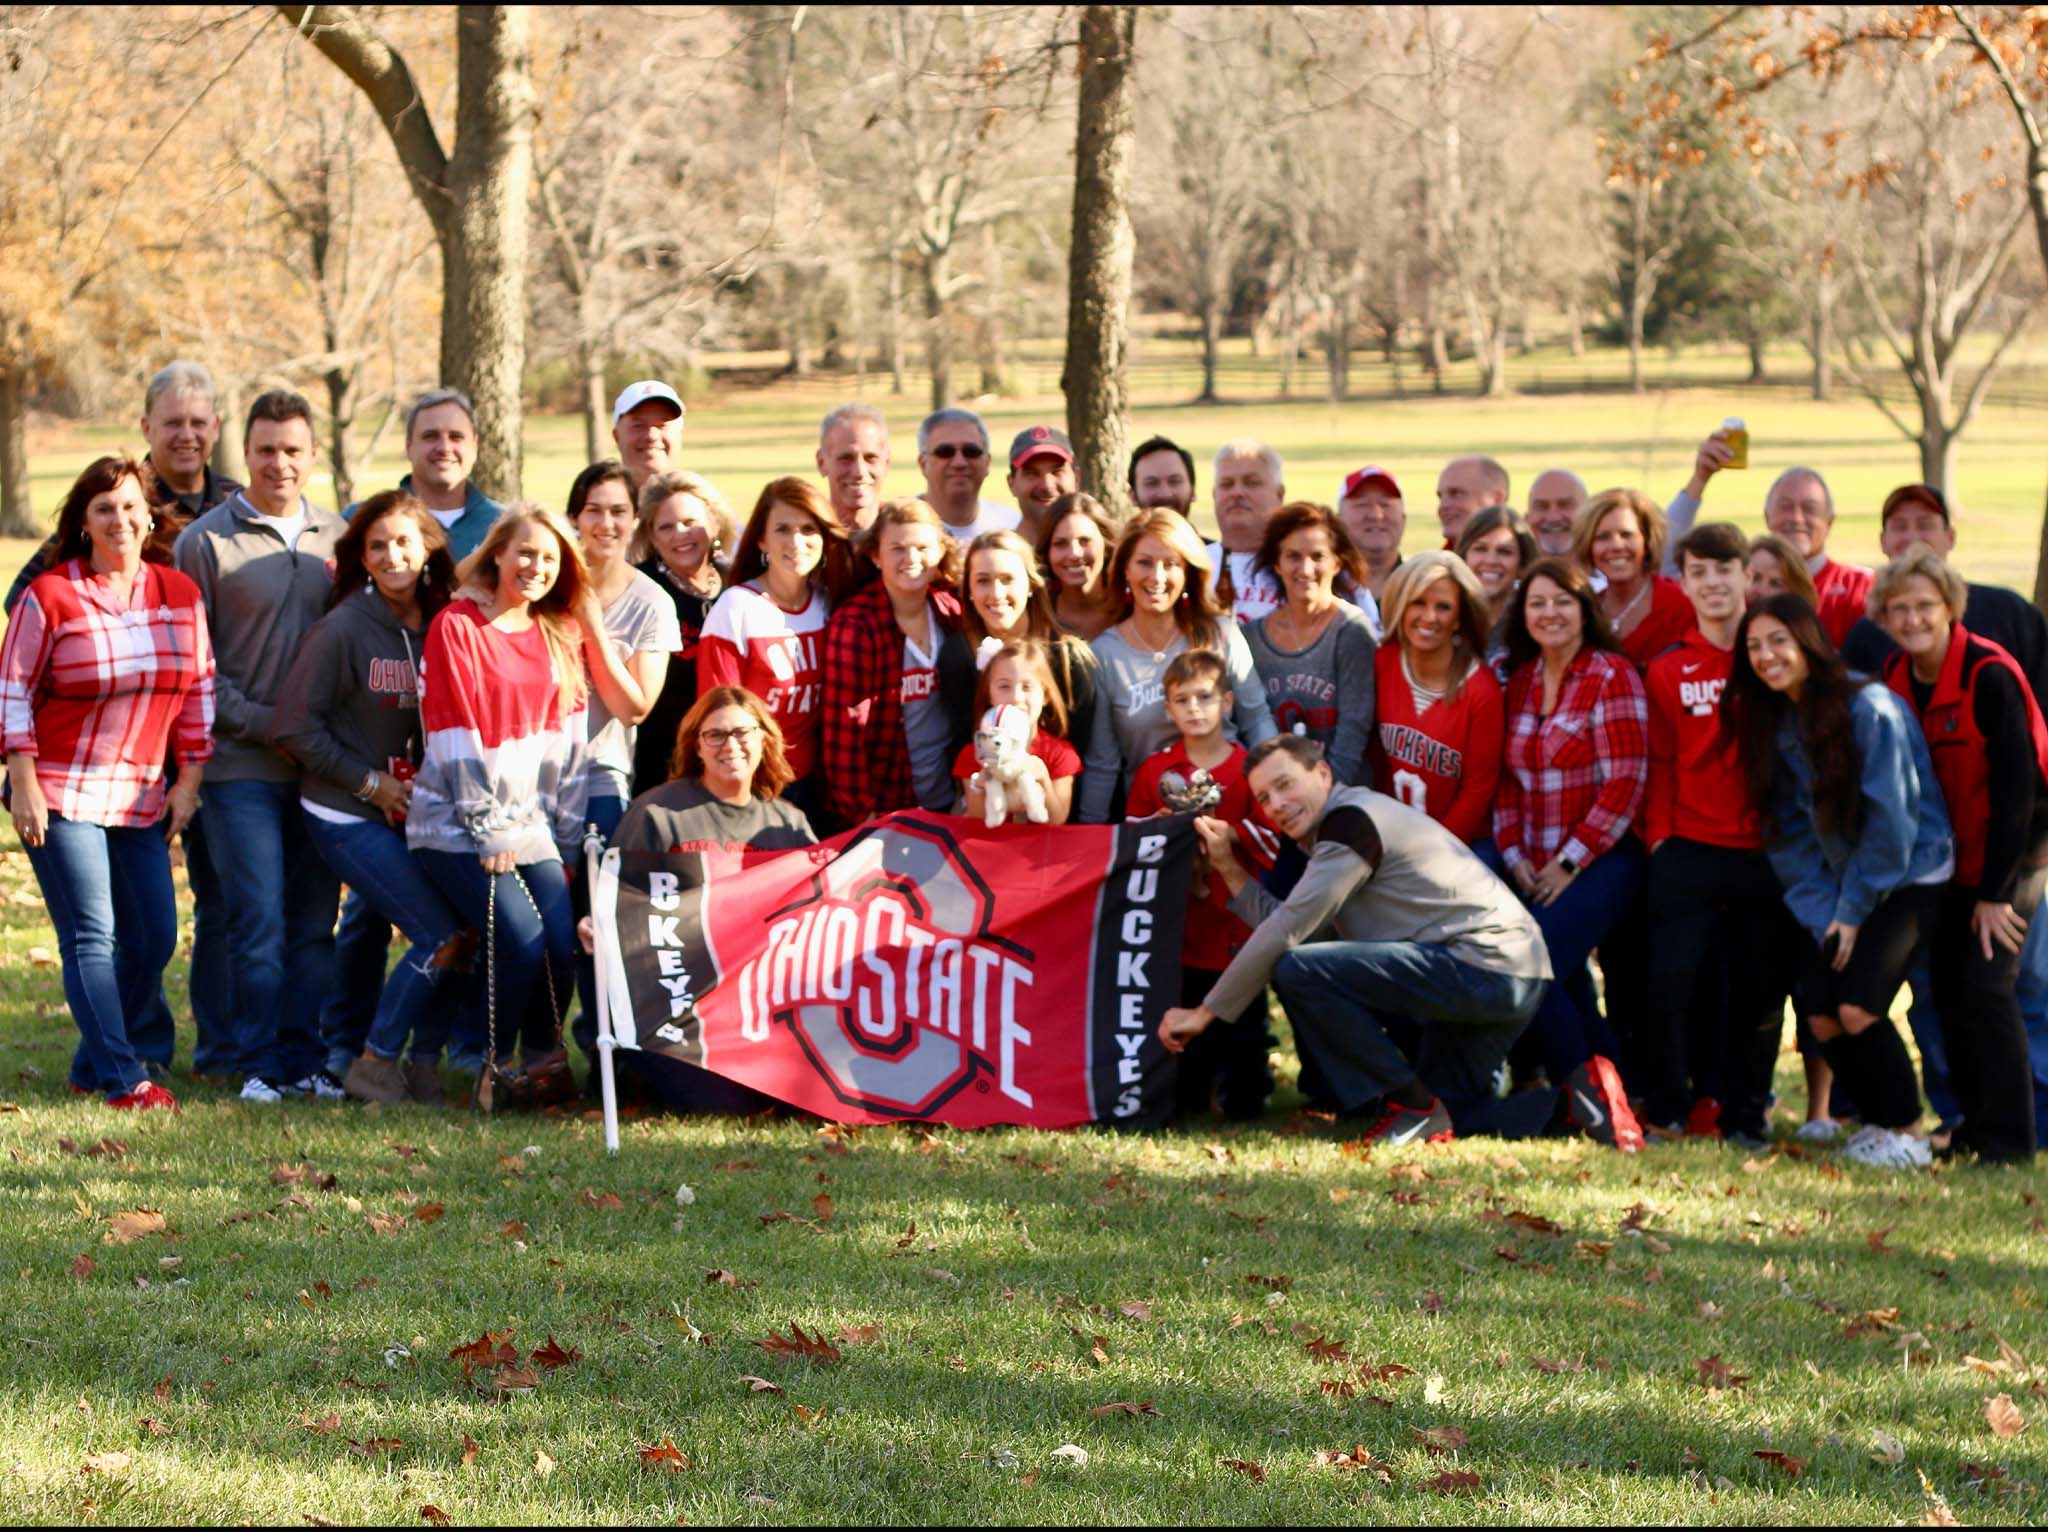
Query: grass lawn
point(241, 1313)
point(244, 1314)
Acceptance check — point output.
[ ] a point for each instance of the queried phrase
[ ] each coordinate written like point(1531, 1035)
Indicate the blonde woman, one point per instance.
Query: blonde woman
point(686, 530)
point(1161, 578)
point(1619, 534)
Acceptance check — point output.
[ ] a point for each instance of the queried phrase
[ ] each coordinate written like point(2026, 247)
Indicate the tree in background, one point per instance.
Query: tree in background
point(1099, 273)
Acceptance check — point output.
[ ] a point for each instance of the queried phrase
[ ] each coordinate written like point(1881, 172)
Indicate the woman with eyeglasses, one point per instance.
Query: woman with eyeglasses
point(725, 797)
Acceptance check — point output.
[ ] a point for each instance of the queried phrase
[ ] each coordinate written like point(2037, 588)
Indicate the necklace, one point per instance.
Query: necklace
point(1620, 620)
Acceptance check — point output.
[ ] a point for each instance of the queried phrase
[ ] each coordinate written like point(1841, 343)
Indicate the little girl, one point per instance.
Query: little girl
point(1020, 673)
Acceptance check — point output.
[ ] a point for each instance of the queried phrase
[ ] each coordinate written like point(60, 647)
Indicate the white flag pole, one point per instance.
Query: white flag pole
point(603, 911)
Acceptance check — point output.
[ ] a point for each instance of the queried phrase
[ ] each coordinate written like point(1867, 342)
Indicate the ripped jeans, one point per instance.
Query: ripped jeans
point(371, 858)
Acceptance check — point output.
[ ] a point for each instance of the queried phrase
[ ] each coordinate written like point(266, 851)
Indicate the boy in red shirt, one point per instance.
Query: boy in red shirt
point(1232, 1066)
point(1723, 934)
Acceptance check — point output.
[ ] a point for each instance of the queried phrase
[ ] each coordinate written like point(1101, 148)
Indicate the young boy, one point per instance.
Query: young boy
point(1227, 1064)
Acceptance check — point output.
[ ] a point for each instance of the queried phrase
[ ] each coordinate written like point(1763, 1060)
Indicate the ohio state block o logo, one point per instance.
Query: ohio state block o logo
point(907, 937)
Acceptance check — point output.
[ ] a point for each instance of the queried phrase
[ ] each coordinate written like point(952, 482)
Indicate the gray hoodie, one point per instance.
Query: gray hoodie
point(351, 704)
point(260, 597)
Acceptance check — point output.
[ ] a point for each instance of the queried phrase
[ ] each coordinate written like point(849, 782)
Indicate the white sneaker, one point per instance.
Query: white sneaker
point(1822, 1130)
point(1888, 1150)
point(320, 1084)
point(255, 1088)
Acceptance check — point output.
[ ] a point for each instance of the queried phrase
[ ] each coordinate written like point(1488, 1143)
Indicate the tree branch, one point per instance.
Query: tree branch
point(2028, 123)
point(1982, 383)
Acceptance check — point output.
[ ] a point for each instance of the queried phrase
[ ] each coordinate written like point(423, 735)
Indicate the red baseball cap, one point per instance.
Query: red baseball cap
point(1354, 482)
point(1041, 441)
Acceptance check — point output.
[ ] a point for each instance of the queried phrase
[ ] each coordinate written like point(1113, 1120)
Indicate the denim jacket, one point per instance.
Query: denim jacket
point(1904, 837)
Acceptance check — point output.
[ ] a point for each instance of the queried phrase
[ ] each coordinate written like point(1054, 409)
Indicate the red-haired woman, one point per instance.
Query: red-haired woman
point(106, 664)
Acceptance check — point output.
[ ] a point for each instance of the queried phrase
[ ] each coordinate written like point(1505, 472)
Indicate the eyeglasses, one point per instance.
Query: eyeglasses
point(718, 739)
point(969, 451)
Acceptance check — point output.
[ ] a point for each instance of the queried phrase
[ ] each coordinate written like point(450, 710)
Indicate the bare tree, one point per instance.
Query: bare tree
point(1099, 269)
point(474, 194)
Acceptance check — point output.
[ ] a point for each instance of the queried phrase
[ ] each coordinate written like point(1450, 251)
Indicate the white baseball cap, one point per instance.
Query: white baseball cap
point(636, 394)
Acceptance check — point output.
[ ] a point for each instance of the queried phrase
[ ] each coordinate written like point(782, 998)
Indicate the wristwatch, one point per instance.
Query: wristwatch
point(1571, 867)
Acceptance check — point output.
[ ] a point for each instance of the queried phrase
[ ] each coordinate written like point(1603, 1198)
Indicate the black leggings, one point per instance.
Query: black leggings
point(1873, 1063)
point(1982, 1027)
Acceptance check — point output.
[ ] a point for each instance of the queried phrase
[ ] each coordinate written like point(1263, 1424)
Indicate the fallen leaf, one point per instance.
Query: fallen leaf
point(1791, 1466)
point(552, 1355)
point(434, 1514)
point(860, 1335)
point(1535, 1223)
point(1250, 1470)
point(665, 1457)
point(105, 1462)
point(1890, 1450)
point(609, 1202)
point(2004, 1417)
point(759, 1385)
point(153, 1426)
point(1716, 1373)
point(1547, 1364)
point(1432, 1302)
point(1278, 1284)
point(514, 1379)
point(1067, 1451)
point(813, 1347)
point(1323, 1349)
point(162, 1391)
point(326, 1425)
point(1124, 1407)
point(1462, 1481)
point(83, 1267)
point(511, 1228)
point(126, 1227)
point(1437, 1440)
point(303, 1175)
point(805, 1414)
point(724, 1278)
point(542, 1463)
point(1137, 1309)
point(776, 1215)
point(1384, 1372)
point(487, 1350)
point(375, 1445)
point(1871, 1322)
point(822, 1206)
point(429, 1212)
point(469, 1450)
point(1875, 1240)
point(1355, 1461)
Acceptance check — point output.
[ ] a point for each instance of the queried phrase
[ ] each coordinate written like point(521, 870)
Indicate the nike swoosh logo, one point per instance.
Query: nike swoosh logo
point(1408, 1135)
point(1689, 669)
point(1592, 1109)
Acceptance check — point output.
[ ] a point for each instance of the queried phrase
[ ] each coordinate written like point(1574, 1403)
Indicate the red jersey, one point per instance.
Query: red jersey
point(1444, 760)
point(1844, 591)
point(1697, 788)
point(751, 641)
point(1213, 934)
point(1668, 620)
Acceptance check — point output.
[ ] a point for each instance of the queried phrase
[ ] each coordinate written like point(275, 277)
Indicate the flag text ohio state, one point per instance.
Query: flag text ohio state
point(923, 968)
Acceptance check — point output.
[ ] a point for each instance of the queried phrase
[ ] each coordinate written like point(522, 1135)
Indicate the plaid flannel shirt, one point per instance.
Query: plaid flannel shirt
point(1573, 782)
point(95, 689)
point(864, 755)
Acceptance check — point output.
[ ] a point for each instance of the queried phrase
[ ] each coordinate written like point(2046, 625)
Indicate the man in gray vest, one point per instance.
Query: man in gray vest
point(1394, 919)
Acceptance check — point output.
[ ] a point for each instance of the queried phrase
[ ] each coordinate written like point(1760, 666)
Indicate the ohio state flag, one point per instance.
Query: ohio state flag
point(924, 967)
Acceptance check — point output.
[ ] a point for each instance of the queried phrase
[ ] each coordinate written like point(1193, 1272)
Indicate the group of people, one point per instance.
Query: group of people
point(1434, 789)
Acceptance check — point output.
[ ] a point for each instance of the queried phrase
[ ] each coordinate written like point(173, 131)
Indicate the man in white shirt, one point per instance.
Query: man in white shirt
point(1248, 491)
point(952, 453)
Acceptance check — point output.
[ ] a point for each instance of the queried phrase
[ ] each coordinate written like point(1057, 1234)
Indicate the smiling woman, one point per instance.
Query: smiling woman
point(1314, 651)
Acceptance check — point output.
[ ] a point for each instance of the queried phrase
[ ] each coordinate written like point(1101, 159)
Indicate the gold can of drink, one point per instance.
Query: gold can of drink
point(1736, 434)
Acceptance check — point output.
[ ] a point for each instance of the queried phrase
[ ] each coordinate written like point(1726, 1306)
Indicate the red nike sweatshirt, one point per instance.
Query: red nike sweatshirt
point(1696, 789)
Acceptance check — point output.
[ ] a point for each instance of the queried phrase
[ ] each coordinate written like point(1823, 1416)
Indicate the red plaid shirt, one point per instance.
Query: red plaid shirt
point(865, 757)
point(95, 690)
point(1574, 781)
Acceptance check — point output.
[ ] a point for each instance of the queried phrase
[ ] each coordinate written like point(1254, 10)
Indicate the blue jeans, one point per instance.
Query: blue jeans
point(280, 924)
point(362, 951)
point(1926, 1024)
point(536, 941)
point(371, 857)
point(214, 1049)
point(1568, 1028)
point(1339, 996)
point(2032, 993)
point(605, 811)
point(109, 895)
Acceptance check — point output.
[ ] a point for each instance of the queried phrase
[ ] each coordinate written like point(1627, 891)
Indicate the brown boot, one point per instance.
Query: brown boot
point(375, 1080)
point(423, 1083)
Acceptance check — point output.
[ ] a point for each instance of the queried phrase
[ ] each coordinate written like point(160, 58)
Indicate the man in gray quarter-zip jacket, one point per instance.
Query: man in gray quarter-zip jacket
point(264, 560)
point(1394, 919)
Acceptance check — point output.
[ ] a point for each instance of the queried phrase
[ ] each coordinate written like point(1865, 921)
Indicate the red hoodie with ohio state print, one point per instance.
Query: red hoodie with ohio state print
point(1697, 788)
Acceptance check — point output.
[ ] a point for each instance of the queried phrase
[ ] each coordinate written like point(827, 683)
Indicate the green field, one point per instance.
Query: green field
point(201, 1328)
point(1571, 412)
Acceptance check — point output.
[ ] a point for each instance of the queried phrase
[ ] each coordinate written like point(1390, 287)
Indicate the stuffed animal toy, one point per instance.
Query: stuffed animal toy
point(1003, 746)
point(1191, 792)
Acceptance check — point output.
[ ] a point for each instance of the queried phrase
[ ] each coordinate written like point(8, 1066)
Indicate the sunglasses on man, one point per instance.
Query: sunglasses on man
point(948, 450)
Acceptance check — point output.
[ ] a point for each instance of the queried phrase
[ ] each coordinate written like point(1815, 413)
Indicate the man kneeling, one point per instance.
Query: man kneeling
point(1394, 920)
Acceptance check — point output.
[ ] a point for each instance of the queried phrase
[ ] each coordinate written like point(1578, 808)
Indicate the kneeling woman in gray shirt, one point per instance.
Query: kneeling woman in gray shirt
point(1162, 579)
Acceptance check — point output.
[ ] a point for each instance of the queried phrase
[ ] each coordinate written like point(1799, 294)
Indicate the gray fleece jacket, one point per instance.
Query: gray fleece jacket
point(351, 704)
point(260, 597)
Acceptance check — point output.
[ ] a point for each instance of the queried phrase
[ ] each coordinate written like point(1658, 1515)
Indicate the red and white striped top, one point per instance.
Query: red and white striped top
point(96, 689)
point(749, 640)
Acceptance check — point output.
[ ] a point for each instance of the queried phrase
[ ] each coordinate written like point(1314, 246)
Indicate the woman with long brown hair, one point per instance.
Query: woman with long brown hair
point(1074, 543)
point(349, 714)
point(1860, 840)
point(1161, 577)
point(1003, 600)
point(792, 568)
point(1314, 651)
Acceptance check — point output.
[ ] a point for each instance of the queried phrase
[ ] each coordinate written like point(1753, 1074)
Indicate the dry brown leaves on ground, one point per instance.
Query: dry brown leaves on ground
point(812, 1347)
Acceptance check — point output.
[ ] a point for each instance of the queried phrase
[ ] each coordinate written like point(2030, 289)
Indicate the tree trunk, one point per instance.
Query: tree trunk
point(1574, 329)
point(894, 336)
point(590, 369)
point(227, 447)
point(1212, 326)
point(17, 516)
point(1437, 351)
point(341, 411)
point(1937, 452)
point(1100, 256)
point(1493, 353)
point(1638, 304)
point(1821, 345)
point(483, 248)
point(938, 351)
point(1754, 328)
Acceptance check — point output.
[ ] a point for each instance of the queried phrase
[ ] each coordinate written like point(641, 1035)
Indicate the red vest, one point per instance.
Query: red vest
point(1956, 743)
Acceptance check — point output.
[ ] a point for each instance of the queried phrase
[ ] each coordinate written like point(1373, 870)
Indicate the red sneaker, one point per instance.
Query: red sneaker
point(1399, 1125)
point(1704, 1120)
point(1598, 1103)
point(146, 1097)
